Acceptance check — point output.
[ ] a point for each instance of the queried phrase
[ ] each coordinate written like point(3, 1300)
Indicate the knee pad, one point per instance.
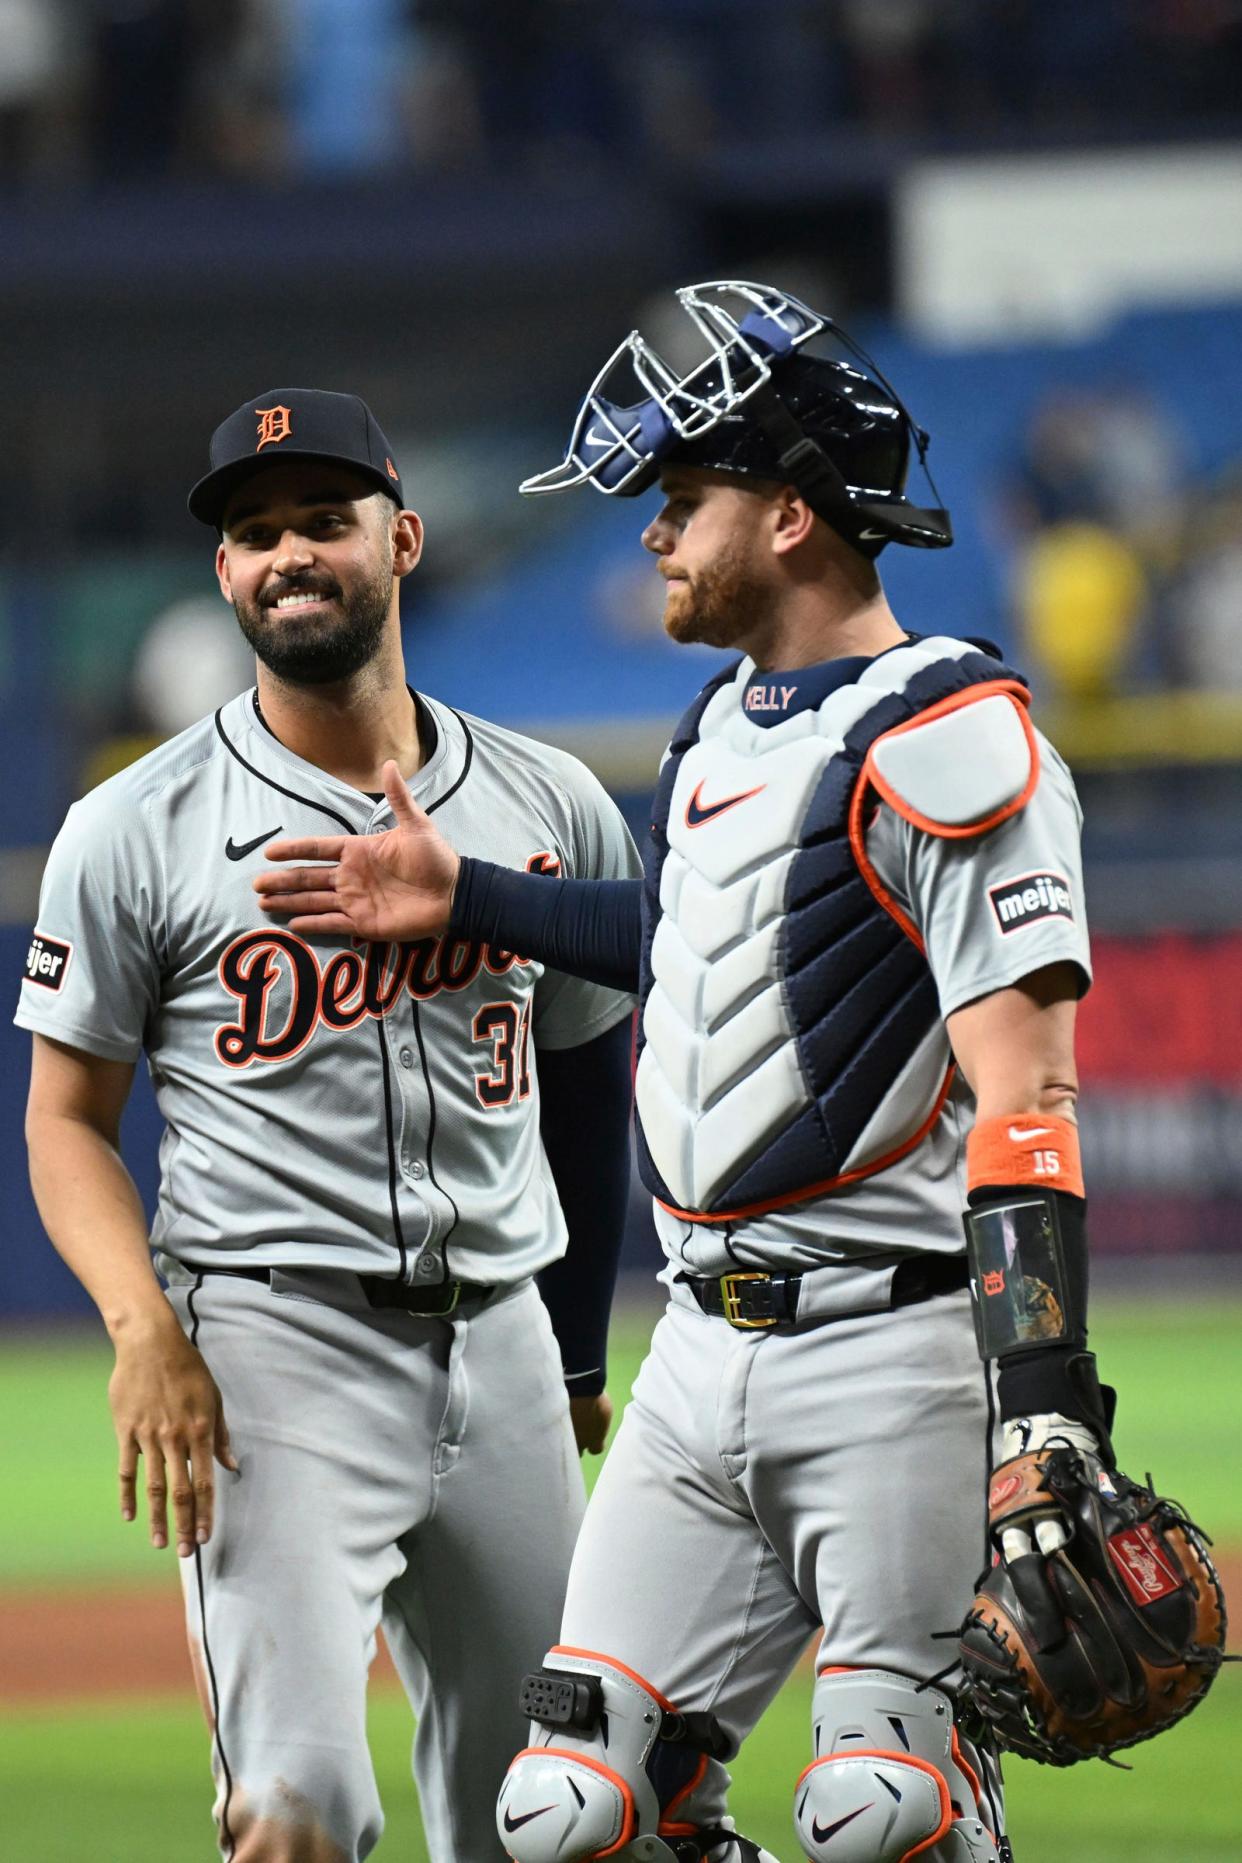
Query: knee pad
point(610, 1762)
point(889, 1781)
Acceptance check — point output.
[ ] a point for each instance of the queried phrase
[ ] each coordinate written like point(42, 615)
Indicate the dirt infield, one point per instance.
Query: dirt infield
point(76, 1645)
point(70, 1645)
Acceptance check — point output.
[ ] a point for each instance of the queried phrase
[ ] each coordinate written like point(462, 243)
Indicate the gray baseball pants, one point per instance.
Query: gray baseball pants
point(767, 1483)
point(419, 1472)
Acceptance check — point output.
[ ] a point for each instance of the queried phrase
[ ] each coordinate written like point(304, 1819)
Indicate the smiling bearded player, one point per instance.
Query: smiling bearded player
point(860, 945)
point(370, 1154)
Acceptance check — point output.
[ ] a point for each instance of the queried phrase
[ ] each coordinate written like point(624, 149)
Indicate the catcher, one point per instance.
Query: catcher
point(860, 938)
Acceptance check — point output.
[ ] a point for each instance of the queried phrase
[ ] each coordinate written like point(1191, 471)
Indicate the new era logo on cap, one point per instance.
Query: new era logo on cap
point(1030, 897)
point(47, 961)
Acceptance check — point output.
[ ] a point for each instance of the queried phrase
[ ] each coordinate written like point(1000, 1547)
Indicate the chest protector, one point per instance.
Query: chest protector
point(790, 1037)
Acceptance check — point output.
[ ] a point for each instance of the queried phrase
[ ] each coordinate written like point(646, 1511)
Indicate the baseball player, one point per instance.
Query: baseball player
point(370, 1154)
point(859, 944)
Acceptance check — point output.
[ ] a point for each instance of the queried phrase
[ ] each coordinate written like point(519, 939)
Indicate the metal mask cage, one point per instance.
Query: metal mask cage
point(616, 443)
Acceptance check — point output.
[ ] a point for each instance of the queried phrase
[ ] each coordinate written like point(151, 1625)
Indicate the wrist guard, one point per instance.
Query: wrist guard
point(1026, 1242)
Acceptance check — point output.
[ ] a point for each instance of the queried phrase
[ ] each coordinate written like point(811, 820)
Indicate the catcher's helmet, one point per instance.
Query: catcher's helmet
point(759, 406)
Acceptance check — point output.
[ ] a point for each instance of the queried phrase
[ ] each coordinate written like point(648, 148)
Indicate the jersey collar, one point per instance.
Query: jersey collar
point(263, 752)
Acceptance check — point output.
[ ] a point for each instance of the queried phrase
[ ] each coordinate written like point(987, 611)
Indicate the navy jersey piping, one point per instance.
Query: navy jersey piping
point(323, 809)
point(209, 1665)
point(432, 1114)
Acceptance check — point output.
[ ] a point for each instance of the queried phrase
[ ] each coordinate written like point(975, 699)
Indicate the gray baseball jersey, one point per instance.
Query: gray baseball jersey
point(967, 899)
point(333, 1111)
point(326, 1106)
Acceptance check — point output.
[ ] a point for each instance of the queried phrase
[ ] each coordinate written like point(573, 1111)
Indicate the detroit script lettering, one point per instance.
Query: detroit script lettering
point(337, 994)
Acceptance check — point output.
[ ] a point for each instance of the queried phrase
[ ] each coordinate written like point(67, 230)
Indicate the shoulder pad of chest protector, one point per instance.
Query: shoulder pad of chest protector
point(960, 770)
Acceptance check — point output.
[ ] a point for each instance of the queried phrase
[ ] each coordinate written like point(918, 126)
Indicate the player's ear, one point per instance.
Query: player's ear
point(792, 520)
point(407, 542)
point(222, 572)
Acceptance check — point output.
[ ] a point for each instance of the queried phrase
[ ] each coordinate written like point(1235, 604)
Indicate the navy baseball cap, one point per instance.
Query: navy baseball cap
point(294, 423)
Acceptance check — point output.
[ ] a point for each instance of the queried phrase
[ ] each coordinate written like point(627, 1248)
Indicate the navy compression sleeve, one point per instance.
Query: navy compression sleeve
point(587, 928)
point(584, 1111)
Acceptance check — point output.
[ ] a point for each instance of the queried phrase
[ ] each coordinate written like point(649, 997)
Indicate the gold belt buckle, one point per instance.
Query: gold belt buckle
point(733, 1301)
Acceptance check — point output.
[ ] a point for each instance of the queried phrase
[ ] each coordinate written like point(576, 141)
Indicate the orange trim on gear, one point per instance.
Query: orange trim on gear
point(970, 1775)
point(904, 1759)
point(957, 701)
point(867, 779)
point(610, 1662)
point(858, 844)
point(667, 1827)
point(1038, 1151)
point(829, 1183)
point(630, 1828)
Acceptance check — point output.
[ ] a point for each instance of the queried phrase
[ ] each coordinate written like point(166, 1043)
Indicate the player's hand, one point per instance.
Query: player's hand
point(167, 1410)
point(391, 886)
point(592, 1420)
point(1048, 1532)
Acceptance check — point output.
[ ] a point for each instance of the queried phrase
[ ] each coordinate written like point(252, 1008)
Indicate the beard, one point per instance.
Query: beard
point(719, 605)
point(325, 649)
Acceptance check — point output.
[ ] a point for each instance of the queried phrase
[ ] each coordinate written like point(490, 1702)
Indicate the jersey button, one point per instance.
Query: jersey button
point(406, 1057)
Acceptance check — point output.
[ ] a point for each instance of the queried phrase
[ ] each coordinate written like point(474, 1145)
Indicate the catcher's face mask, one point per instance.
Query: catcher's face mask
point(841, 436)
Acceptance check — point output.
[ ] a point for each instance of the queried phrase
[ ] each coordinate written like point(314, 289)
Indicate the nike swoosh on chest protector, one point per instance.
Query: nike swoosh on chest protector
point(232, 852)
point(698, 812)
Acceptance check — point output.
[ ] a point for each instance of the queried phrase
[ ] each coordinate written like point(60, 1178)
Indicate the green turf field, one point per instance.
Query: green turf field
point(126, 1783)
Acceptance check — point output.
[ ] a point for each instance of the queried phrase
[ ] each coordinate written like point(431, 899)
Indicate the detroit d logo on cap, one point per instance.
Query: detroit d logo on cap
point(275, 424)
point(1029, 898)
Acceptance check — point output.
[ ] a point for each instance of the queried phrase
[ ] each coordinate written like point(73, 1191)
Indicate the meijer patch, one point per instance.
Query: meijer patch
point(47, 961)
point(1029, 898)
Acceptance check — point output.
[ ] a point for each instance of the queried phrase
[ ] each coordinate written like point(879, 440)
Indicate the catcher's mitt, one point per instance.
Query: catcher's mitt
point(1106, 1641)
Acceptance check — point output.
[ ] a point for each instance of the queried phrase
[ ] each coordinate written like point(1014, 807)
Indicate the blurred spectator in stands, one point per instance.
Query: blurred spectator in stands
point(350, 67)
point(699, 76)
point(271, 88)
point(240, 102)
point(38, 88)
point(891, 49)
point(1094, 501)
point(544, 77)
point(1081, 599)
point(1107, 454)
point(1201, 636)
point(144, 56)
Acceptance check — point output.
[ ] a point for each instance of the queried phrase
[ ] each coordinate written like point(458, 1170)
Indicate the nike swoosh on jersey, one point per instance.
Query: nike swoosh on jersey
point(698, 812)
point(515, 1824)
point(239, 853)
point(1018, 1133)
point(822, 1832)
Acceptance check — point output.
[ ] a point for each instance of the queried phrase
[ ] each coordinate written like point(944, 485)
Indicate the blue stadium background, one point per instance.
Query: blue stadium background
point(191, 215)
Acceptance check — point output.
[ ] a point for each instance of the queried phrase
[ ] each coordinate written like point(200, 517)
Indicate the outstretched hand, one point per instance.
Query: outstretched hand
point(391, 886)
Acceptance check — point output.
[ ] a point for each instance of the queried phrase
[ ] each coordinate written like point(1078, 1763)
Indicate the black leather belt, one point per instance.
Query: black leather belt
point(386, 1295)
point(753, 1300)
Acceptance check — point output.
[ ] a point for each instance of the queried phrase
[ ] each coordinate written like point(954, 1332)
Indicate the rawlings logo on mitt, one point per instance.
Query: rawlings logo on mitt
point(1105, 1642)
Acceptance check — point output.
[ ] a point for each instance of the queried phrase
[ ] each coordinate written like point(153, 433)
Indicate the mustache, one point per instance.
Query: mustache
point(297, 585)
